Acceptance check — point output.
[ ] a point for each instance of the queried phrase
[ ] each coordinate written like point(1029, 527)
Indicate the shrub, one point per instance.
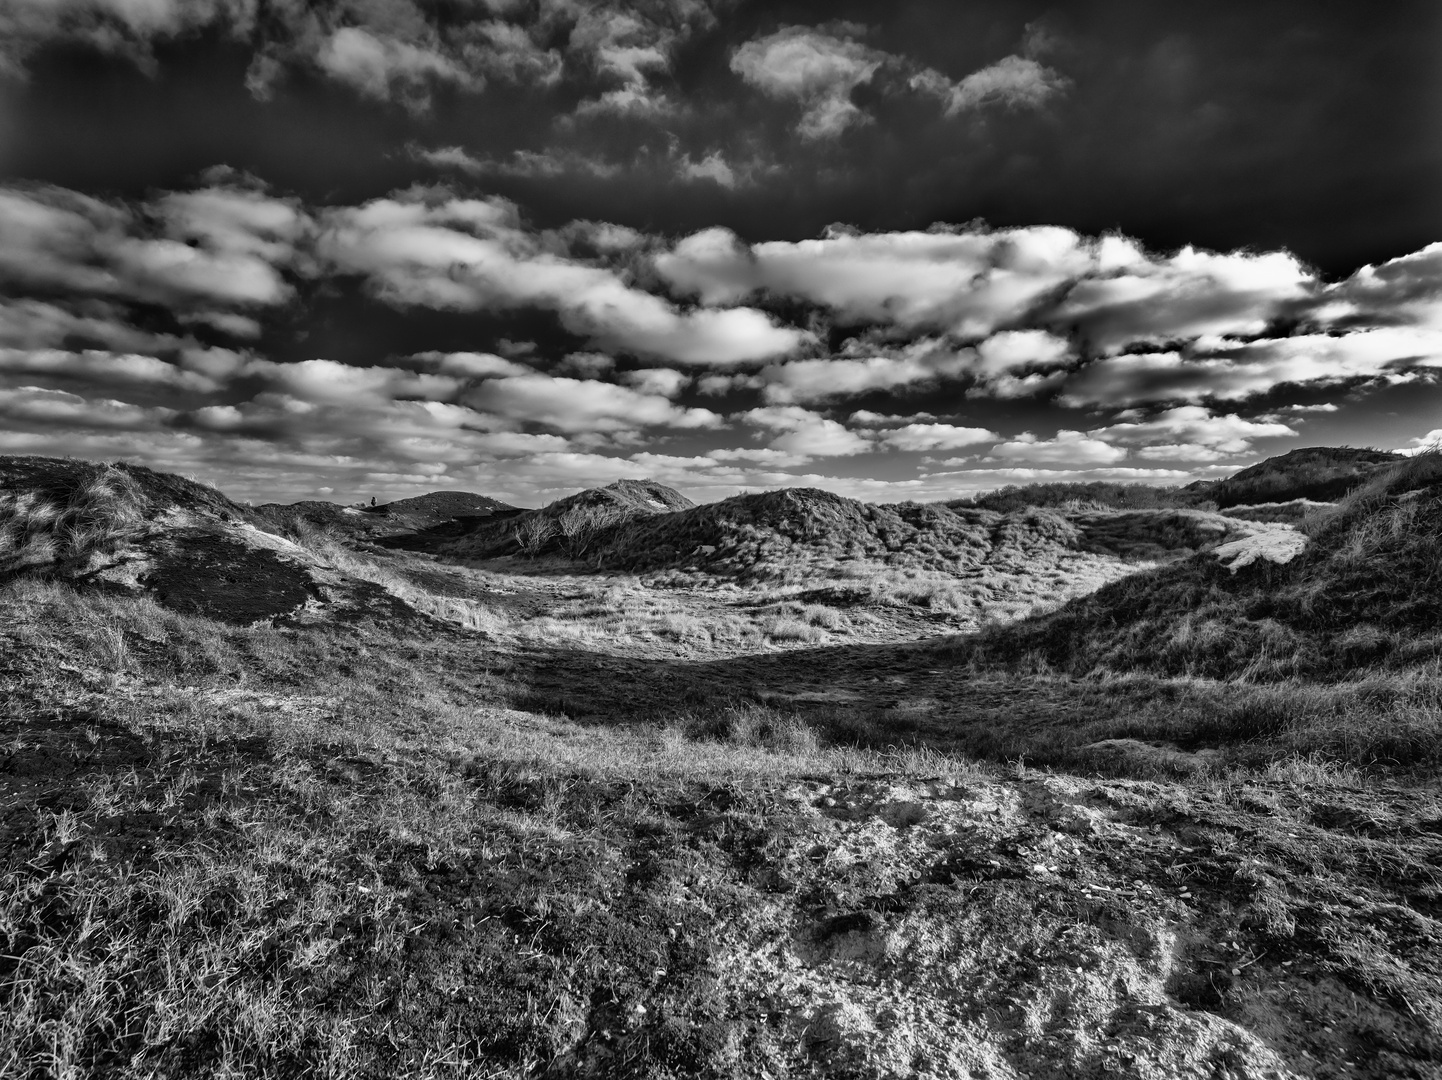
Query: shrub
point(580, 527)
point(533, 533)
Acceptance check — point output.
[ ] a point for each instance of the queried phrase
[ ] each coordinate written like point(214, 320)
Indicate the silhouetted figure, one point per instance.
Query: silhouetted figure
point(373, 500)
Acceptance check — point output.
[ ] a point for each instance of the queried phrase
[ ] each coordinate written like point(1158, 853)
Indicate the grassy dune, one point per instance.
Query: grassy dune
point(530, 818)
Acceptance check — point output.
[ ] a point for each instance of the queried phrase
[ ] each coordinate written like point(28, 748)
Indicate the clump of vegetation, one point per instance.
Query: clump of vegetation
point(532, 534)
point(62, 526)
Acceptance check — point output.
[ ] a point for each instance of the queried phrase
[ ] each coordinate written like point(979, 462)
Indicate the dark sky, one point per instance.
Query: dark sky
point(901, 250)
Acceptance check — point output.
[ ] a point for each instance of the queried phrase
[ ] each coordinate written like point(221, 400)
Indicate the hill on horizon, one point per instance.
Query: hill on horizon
point(1319, 473)
point(599, 510)
point(436, 510)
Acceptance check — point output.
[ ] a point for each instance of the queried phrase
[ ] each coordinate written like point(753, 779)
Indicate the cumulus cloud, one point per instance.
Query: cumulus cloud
point(927, 437)
point(218, 246)
point(713, 166)
point(1016, 82)
point(817, 69)
point(968, 283)
point(1185, 295)
point(577, 405)
point(326, 381)
point(875, 419)
point(1063, 448)
point(382, 67)
point(805, 433)
point(1406, 291)
point(398, 50)
point(38, 324)
point(527, 164)
point(125, 27)
point(1013, 351)
point(1233, 371)
point(474, 254)
point(470, 365)
point(65, 411)
point(664, 382)
point(1192, 424)
point(758, 455)
point(819, 379)
point(95, 367)
point(1104, 293)
point(951, 319)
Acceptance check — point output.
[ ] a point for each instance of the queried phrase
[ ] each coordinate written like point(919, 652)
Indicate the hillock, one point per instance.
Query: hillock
point(444, 505)
point(804, 531)
point(445, 511)
point(570, 526)
point(124, 528)
point(1321, 473)
point(1366, 592)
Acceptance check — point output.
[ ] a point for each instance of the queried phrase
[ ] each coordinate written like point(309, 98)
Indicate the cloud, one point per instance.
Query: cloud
point(219, 246)
point(474, 255)
point(1015, 82)
point(470, 365)
point(396, 50)
point(1230, 371)
point(869, 418)
point(805, 433)
point(925, 437)
point(814, 68)
point(325, 381)
point(65, 411)
point(817, 380)
point(1431, 441)
point(124, 27)
point(1406, 291)
point(1012, 351)
point(1063, 448)
point(1186, 295)
point(527, 164)
point(968, 283)
point(758, 455)
point(663, 382)
point(37, 324)
point(504, 50)
point(1195, 425)
point(381, 67)
point(577, 405)
point(1103, 293)
point(95, 367)
point(713, 166)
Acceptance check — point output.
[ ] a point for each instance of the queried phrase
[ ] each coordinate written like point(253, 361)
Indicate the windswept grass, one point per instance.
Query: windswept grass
point(63, 526)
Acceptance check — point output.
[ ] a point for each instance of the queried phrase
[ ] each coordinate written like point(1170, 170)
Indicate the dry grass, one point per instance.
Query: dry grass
point(639, 828)
point(331, 851)
point(65, 526)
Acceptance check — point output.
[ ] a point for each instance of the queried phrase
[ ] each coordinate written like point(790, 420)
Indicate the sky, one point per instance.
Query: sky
point(904, 251)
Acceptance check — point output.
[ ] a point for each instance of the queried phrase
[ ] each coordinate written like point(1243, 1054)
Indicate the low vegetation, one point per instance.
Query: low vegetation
point(1362, 596)
point(528, 816)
